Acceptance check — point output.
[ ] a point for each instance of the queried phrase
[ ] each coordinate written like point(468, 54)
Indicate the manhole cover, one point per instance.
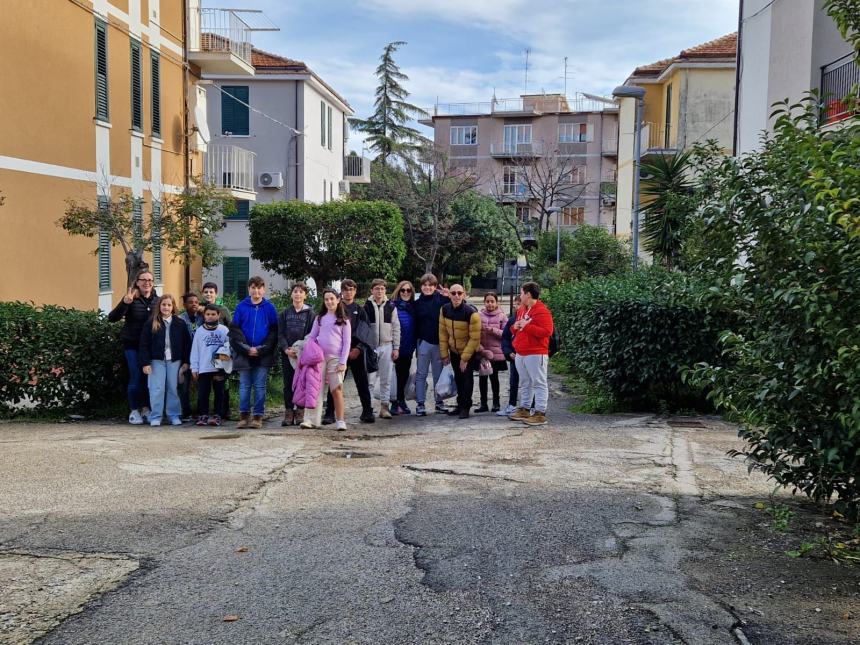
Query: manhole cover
point(352, 454)
point(230, 435)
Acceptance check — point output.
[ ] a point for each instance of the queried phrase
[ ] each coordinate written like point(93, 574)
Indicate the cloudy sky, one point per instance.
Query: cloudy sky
point(464, 50)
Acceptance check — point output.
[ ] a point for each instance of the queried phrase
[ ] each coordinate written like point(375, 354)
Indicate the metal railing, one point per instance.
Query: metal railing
point(507, 149)
point(220, 30)
point(538, 104)
point(356, 168)
point(839, 81)
point(609, 176)
point(610, 146)
point(230, 167)
point(658, 136)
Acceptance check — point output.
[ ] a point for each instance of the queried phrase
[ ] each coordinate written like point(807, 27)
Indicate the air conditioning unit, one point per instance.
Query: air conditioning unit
point(343, 187)
point(270, 180)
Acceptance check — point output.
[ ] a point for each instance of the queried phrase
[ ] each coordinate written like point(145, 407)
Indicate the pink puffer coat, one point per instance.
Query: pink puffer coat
point(308, 379)
point(492, 326)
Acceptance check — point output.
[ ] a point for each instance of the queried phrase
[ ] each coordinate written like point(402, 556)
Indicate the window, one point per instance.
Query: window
point(572, 216)
point(137, 222)
point(575, 132)
point(104, 252)
point(323, 128)
point(668, 124)
point(324, 190)
point(331, 191)
point(236, 273)
point(156, 242)
point(234, 115)
point(510, 182)
point(156, 94)
point(524, 214)
point(577, 175)
point(329, 128)
point(243, 210)
point(136, 89)
point(464, 135)
point(102, 111)
point(518, 138)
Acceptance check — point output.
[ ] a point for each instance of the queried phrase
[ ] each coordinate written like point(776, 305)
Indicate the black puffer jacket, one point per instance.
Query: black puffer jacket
point(152, 344)
point(135, 315)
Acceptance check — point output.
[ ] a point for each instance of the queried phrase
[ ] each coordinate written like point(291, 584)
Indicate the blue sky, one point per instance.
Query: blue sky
point(464, 50)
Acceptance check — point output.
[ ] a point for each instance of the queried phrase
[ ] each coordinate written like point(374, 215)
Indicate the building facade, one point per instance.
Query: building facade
point(689, 99)
point(537, 149)
point(292, 127)
point(787, 49)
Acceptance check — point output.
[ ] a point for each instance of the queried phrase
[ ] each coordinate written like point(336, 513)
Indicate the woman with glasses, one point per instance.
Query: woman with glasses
point(404, 300)
point(135, 309)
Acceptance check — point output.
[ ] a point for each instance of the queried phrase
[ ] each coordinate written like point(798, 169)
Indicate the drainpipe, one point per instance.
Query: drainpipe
point(738, 60)
point(185, 130)
point(296, 138)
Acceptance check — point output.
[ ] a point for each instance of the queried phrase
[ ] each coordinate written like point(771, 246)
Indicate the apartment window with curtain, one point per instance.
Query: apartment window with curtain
point(136, 88)
point(510, 181)
point(464, 135)
point(234, 115)
point(572, 216)
point(101, 69)
point(518, 138)
point(155, 96)
point(104, 251)
point(575, 132)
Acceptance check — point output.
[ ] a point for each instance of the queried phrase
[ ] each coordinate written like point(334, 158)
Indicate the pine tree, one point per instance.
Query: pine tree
point(386, 128)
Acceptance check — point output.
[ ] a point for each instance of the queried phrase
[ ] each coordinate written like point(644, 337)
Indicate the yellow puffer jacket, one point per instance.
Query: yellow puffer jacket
point(459, 331)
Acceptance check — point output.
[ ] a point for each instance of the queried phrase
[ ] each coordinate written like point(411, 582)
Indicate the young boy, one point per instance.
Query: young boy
point(193, 318)
point(383, 319)
point(210, 297)
point(207, 340)
point(253, 337)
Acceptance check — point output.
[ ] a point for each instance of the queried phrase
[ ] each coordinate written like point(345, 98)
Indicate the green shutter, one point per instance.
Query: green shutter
point(243, 210)
point(236, 273)
point(104, 251)
point(136, 89)
point(102, 111)
point(329, 128)
point(322, 124)
point(156, 94)
point(137, 222)
point(156, 242)
point(234, 115)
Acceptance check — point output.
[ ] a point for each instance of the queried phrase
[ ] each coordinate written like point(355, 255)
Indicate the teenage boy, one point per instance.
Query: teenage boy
point(253, 338)
point(294, 323)
point(385, 323)
point(510, 356)
point(427, 307)
point(210, 297)
point(356, 364)
point(208, 339)
point(532, 330)
point(193, 318)
point(459, 337)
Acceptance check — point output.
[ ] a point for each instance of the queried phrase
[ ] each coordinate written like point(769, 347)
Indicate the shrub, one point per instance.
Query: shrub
point(630, 335)
point(587, 252)
point(58, 359)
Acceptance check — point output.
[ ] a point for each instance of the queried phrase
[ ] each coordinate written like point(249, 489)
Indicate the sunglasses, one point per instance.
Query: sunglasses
point(457, 293)
point(406, 290)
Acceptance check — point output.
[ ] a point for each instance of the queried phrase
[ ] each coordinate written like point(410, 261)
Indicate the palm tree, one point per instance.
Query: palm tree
point(667, 188)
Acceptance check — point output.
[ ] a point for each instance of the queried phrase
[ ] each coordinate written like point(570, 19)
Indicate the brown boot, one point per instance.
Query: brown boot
point(243, 420)
point(256, 422)
point(289, 417)
point(299, 417)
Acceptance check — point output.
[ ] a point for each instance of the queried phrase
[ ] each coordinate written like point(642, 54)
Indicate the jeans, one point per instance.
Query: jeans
point(253, 378)
point(532, 370)
point(137, 392)
point(465, 381)
point(428, 356)
point(163, 381)
point(513, 383)
point(206, 382)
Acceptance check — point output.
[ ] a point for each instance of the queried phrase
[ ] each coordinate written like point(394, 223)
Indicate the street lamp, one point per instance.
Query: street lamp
point(556, 210)
point(633, 92)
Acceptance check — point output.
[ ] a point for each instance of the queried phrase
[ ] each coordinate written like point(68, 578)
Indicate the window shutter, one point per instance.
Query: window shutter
point(322, 124)
point(236, 273)
point(234, 115)
point(137, 222)
point(156, 242)
point(102, 111)
point(104, 252)
point(136, 89)
point(243, 210)
point(329, 127)
point(156, 95)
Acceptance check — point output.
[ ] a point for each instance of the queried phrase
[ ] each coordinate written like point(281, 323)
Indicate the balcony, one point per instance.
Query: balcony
point(838, 79)
point(219, 42)
point(356, 170)
point(528, 105)
point(610, 147)
point(504, 150)
point(659, 138)
point(231, 168)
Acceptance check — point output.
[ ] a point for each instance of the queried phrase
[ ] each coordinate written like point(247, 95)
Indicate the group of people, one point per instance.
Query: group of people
point(437, 327)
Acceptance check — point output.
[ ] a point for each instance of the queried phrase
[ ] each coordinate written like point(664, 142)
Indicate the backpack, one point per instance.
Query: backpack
point(554, 342)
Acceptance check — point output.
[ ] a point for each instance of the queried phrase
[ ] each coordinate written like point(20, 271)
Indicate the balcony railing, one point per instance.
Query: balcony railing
point(839, 96)
point(609, 176)
point(658, 136)
point(538, 104)
point(610, 146)
point(218, 31)
point(507, 149)
point(356, 169)
point(230, 168)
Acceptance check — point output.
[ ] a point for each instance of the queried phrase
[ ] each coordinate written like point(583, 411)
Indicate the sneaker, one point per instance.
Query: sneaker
point(384, 412)
point(394, 408)
point(135, 418)
point(505, 411)
point(440, 408)
point(453, 412)
point(154, 422)
point(520, 414)
point(144, 414)
point(214, 421)
point(404, 409)
point(176, 421)
point(307, 425)
point(203, 420)
point(482, 408)
point(367, 417)
point(340, 425)
point(537, 419)
point(421, 411)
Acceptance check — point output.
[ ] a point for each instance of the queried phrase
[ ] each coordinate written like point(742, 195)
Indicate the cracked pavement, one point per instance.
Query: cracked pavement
point(417, 530)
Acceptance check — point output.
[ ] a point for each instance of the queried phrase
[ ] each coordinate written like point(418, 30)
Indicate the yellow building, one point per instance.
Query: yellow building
point(101, 97)
point(689, 98)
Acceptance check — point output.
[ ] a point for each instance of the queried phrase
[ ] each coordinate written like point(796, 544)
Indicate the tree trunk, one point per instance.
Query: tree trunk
point(134, 264)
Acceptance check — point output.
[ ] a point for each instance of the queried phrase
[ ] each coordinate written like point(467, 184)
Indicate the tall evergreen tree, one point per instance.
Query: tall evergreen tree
point(386, 128)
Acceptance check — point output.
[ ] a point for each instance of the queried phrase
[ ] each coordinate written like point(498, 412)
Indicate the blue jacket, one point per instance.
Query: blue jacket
point(508, 338)
point(426, 312)
point(254, 326)
point(406, 315)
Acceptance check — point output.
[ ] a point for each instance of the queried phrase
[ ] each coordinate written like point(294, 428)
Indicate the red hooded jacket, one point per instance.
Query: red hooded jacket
point(534, 337)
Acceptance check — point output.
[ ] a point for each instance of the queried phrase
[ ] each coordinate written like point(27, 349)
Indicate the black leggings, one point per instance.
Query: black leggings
point(494, 381)
point(401, 368)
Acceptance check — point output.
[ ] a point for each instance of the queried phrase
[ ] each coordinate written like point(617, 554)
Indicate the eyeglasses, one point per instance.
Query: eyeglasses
point(142, 280)
point(457, 293)
point(406, 290)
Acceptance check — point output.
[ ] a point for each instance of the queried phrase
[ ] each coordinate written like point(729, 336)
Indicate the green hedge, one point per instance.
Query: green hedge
point(632, 334)
point(58, 359)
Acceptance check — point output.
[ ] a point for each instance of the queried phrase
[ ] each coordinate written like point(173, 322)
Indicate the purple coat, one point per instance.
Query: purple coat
point(308, 379)
point(492, 325)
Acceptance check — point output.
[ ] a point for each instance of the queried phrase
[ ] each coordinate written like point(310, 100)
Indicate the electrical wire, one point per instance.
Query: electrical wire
point(256, 111)
point(760, 11)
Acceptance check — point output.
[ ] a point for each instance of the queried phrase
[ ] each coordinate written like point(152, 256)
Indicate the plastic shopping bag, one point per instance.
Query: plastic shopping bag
point(445, 386)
